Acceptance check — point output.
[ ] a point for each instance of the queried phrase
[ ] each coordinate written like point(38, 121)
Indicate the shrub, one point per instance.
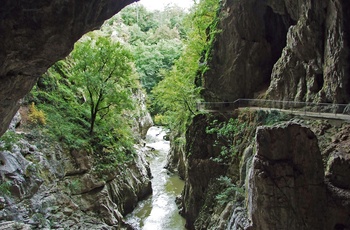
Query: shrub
point(8, 140)
point(35, 116)
point(159, 119)
point(229, 135)
point(229, 191)
point(272, 117)
point(5, 187)
point(75, 185)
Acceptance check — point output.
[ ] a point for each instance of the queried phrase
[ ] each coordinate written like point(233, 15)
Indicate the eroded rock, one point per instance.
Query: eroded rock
point(339, 170)
point(201, 171)
point(251, 39)
point(286, 182)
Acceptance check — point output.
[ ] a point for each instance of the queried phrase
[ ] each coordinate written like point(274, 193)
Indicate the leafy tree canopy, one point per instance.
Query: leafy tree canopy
point(155, 39)
point(86, 99)
point(176, 95)
point(102, 70)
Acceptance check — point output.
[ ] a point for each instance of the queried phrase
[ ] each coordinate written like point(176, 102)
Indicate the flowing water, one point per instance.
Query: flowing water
point(159, 211)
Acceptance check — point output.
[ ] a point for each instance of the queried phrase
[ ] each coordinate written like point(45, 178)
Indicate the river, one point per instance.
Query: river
point(159, 211)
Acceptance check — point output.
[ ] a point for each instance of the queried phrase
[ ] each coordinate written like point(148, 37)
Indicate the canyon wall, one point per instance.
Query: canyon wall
point(288, 173)
point(291, 175)
point(281, 50)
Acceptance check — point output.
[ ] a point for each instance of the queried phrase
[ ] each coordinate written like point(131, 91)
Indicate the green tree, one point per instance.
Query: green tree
point(102, 70)
point(138, 14)
point(88, 101)
point(152, 60)
point(176, 95)
point(155, 39)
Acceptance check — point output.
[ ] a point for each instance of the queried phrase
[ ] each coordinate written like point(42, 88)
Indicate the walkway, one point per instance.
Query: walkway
point(317, 110)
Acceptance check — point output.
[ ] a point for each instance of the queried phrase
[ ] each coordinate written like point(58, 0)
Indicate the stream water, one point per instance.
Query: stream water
point(159, 211)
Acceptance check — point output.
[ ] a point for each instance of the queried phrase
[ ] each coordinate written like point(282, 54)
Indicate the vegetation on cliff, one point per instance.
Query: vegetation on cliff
point(219, 147)
point(87, 99)
point(177, 94)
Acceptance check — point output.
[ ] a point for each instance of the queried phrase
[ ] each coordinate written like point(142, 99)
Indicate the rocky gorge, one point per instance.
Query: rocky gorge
point(281, 176)
point(293, 174)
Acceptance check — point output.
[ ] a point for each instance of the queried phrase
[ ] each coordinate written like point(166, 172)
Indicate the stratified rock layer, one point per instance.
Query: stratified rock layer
point(36, 34)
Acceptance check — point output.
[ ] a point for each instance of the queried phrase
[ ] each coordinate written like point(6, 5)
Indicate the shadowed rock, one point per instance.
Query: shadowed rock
point(286, 184)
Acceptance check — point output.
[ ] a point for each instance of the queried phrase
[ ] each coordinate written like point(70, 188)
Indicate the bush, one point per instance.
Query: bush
point(5, 187)
point(159, 119)
point(229, 135)
point(35, 116)
point(8, 140)
point(270, 118)
point(75, 185)
point(229, 191)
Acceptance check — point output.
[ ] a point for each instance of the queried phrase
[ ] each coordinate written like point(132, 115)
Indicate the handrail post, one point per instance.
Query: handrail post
point(335, 110)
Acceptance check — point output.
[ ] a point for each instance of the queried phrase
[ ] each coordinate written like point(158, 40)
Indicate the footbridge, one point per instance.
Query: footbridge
point(317, 110)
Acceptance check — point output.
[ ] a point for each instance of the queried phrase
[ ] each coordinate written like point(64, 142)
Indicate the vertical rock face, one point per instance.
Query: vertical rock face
point(251, 40)
point(286, 184)
point(314, 65)
point(34, 35)
point(298, 50)
point(281, 50)
point(143, 120)
point(201, 170)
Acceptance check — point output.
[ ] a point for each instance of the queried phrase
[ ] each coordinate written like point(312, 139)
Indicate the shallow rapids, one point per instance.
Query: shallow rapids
point(159, 211)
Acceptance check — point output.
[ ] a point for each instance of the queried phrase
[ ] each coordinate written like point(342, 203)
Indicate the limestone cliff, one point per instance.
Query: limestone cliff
point(293, 178)
point(36, 34)
point(290, 50)
point(291, 175)
point(286, 181)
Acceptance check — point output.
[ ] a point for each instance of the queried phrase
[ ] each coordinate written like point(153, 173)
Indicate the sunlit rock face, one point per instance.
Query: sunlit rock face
point(35, 34)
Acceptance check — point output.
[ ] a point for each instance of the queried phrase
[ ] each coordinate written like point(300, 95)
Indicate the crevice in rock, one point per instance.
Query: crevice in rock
point(276, 29)
point(320, 81)
point(93, 191)
point(346, 15)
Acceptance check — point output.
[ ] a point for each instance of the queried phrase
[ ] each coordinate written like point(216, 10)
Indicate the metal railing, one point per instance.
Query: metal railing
point(292, 106)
